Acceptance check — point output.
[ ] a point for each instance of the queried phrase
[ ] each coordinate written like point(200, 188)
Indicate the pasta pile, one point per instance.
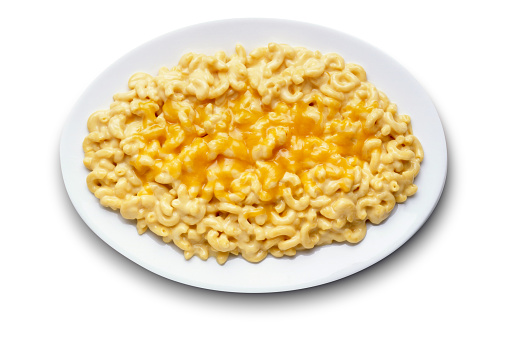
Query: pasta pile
point(274, 152)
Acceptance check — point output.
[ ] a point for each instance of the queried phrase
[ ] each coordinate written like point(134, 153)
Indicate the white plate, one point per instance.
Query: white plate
point(318, 266)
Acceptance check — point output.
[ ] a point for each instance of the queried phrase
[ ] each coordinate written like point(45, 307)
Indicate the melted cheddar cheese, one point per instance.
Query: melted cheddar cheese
point(300, 134)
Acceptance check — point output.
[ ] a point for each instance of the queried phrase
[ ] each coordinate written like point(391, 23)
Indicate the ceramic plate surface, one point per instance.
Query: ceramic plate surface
point(311, 268)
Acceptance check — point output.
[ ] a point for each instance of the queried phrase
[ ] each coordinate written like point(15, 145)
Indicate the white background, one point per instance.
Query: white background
point(60, 280)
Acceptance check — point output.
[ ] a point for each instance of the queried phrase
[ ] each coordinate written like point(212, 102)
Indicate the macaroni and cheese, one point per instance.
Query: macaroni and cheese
point(275, 151)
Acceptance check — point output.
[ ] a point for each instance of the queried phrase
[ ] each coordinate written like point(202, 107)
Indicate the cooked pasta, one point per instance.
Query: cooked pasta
point(275, 151)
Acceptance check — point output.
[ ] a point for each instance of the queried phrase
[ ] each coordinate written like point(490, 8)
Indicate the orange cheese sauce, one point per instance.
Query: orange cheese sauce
point(303, 142)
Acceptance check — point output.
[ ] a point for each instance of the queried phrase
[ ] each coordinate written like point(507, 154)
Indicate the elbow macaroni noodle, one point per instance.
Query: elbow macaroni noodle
point(277, 151)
